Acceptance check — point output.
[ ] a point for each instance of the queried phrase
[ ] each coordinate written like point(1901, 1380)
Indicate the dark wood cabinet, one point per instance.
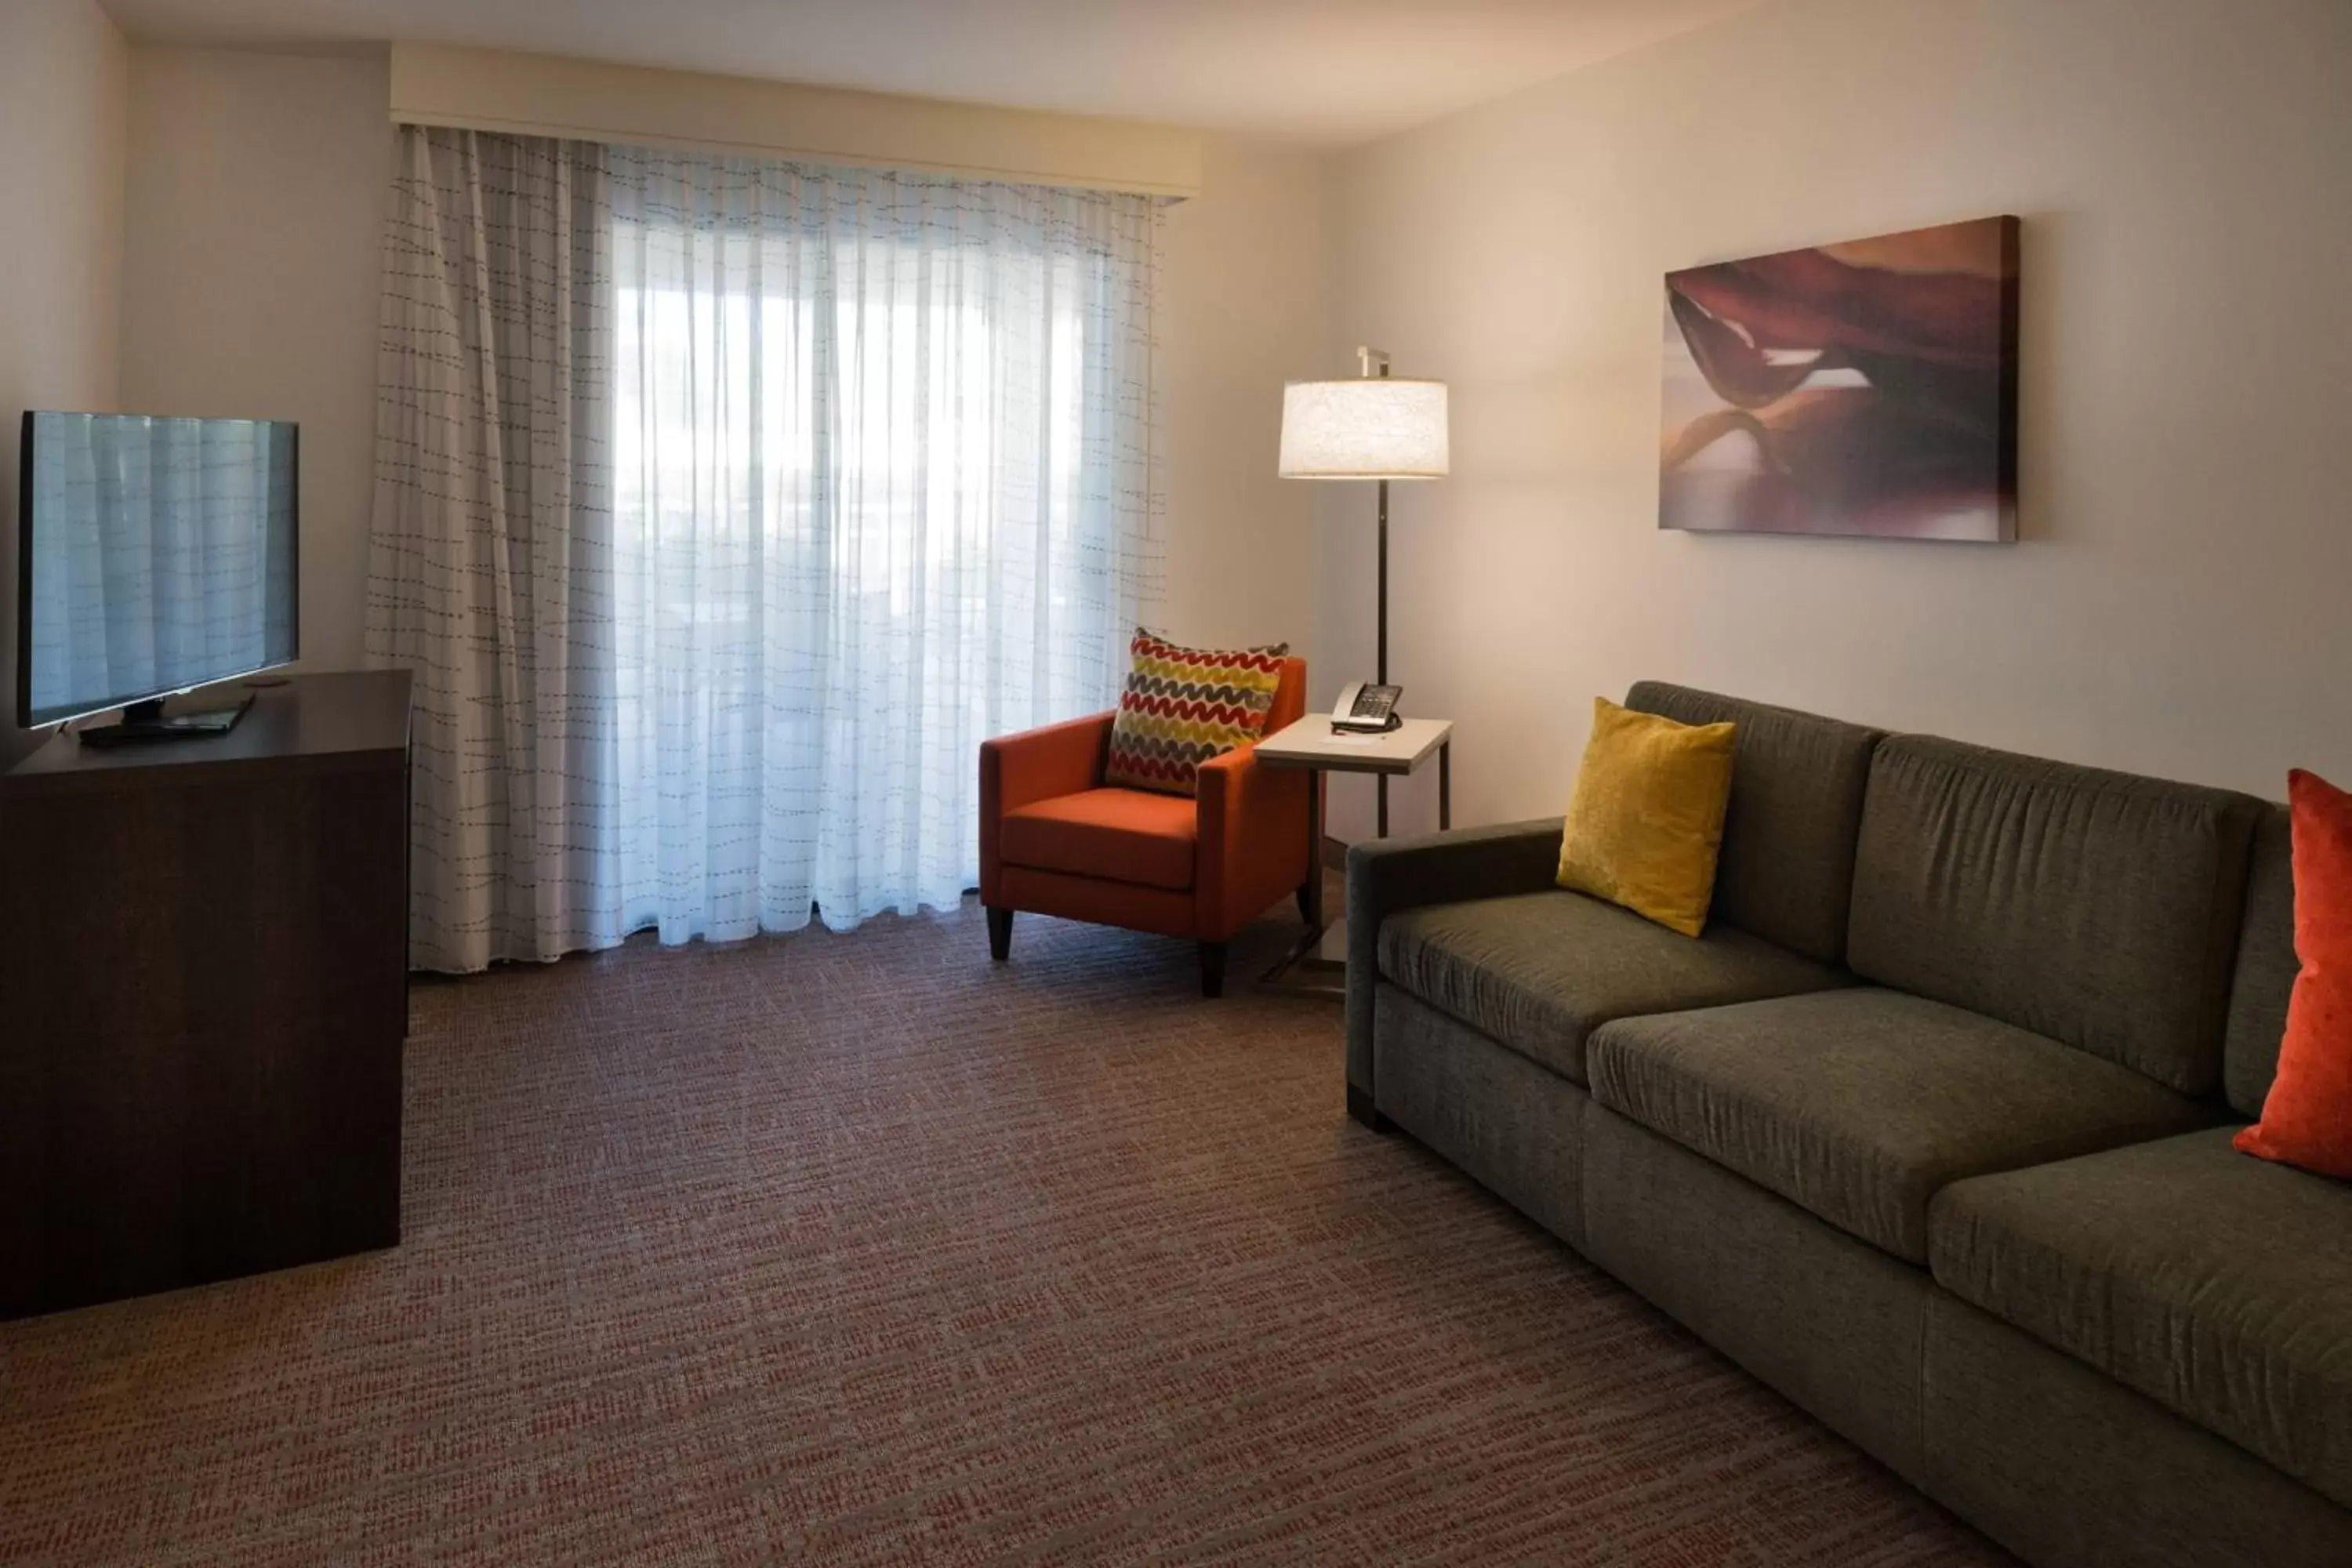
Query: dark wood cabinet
point(203, 998)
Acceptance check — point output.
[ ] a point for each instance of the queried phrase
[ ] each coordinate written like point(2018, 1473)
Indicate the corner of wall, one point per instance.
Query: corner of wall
point(64, 140)
point(1242, 295)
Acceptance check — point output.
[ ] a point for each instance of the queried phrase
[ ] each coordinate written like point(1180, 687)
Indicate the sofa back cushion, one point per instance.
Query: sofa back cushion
point(1785, 872)
point(2266, 968)
point(2099, 909)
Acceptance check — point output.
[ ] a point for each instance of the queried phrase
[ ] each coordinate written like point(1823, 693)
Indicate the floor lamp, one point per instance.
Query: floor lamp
point(1373, 428)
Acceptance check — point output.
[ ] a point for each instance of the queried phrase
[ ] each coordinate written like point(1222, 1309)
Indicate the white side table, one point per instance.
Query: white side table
point(1311, 743)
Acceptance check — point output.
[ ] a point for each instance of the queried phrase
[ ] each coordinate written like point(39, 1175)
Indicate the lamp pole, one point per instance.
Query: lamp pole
point(1384, 583)
point(1365, 360)
point(1341, 429)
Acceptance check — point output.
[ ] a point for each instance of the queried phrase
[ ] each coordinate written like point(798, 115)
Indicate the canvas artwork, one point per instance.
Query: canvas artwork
point(1863, 388)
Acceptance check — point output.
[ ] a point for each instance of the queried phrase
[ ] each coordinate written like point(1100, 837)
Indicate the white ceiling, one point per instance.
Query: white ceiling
point(1327, 71)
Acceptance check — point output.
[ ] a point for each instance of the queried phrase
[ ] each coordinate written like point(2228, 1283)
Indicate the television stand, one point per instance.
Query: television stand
point(144, 722)
point(205, 952)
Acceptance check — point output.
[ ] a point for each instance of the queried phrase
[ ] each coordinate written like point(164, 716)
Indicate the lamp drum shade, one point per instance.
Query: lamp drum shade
point(1369, 428)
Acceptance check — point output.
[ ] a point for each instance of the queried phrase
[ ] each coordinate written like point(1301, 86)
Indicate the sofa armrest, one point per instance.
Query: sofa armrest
point(1022, 769)
point(1392, 874)
point(1253, 839)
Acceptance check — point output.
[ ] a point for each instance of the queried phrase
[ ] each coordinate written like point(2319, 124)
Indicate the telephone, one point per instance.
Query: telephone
point(1366, 710)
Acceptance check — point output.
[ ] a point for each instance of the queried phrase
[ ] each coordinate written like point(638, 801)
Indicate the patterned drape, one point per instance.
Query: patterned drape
point(491, 561)
point(723, 507)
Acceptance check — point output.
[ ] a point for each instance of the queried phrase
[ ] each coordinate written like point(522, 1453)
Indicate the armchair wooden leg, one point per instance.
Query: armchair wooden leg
point(1307, 902)
point(1000, 934)
point(1213, 969)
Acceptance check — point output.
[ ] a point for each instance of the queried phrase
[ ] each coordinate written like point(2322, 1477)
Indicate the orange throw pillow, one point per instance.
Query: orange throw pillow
point(2307, 1118)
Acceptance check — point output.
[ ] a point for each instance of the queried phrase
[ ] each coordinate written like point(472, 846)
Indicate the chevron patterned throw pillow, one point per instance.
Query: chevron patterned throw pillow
point(1183, 706)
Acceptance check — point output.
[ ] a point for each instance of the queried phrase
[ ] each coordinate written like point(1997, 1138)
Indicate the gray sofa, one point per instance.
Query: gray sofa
point(1930, 1131)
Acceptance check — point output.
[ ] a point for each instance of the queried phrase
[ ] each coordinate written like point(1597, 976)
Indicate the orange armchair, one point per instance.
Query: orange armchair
point(1053, 840)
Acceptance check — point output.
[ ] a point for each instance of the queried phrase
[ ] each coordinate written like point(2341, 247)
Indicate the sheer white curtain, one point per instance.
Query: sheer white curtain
point(880, 473)
point(877, 453)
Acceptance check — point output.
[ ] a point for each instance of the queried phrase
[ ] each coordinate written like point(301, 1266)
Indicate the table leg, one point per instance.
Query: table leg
point(1384, 832)
point(1303, 951)
point(1446, 784)
point(1314, 850)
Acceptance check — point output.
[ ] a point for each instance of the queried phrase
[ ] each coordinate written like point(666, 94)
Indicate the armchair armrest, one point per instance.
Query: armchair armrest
point(1392, 874)
point(1022, 769)
point(1251, 831)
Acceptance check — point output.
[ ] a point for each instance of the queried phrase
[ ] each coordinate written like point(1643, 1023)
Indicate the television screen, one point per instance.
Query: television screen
point(155, 555)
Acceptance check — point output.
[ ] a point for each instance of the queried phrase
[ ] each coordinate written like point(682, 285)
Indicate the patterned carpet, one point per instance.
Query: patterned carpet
point(859, 1249)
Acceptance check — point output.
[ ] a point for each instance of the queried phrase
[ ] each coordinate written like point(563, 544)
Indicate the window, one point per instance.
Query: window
point(723, 508)
point(872, 503)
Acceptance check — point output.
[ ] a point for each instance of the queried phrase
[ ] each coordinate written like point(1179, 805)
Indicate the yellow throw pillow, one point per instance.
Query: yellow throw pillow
point(1647, 819)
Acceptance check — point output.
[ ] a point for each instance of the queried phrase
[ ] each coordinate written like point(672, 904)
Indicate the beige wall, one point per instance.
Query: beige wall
point(62, 105)
point(2184, 168)
point(257, 185)
point(597, 100)
point(1241, 287)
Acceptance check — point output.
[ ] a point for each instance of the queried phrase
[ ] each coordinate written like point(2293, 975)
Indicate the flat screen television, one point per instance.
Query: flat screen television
point(154, 555)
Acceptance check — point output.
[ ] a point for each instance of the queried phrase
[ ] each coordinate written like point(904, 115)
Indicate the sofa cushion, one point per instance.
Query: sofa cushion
point(1785, 872)
point(2216, 1285)
point(2266, 968)
point(1539, 971)
point(1860, 1105)
point(1124, 835)
point(2098, 909)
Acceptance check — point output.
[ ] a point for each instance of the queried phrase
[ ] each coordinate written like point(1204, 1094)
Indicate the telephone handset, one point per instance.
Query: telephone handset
point(1366, 710)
